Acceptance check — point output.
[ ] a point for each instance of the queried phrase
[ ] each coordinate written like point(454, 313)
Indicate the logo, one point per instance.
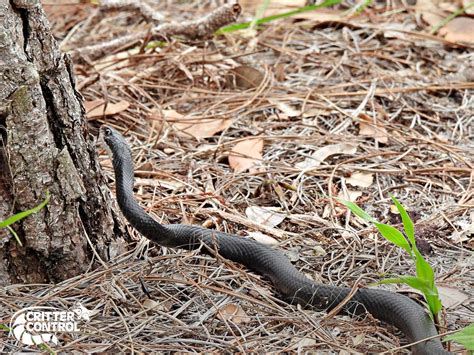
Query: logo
point(39, 325)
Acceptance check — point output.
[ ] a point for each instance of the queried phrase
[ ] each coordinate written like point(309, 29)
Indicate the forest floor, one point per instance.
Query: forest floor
point(255, 132)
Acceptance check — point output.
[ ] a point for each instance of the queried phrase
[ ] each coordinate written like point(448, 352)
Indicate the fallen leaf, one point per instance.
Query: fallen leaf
point(95, 108)
point(195, 127)
point(274, 7)
point(370, 129)
point(243, 77)
point(358, 339)
point(450, 296)
point(318, 250)
point(268, 216)
point(263, 238)
point(394, 209)
point(155, 182)
point(360, 179)
point(233, 313)
point(350, 195)
point(304, 342)
point(323, 153)
point(465, 230)
point(321, 15)
point(429, 12)
point(293, 254)
point(280, 72)
point(460, 29)
point(285, 108)
point(150, 304)
point(246, 154)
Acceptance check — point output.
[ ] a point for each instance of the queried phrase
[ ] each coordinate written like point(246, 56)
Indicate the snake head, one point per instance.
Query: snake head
point(107, 134)
point(112, 138)
point(114, 142)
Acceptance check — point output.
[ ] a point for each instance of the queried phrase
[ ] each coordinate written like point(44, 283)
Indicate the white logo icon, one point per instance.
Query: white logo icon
point(39, 325)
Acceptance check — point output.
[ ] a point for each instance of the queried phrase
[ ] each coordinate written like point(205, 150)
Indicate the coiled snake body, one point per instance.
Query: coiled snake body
point(294, 287)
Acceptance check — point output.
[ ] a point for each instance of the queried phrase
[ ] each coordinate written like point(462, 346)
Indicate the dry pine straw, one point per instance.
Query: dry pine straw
point(326, 73)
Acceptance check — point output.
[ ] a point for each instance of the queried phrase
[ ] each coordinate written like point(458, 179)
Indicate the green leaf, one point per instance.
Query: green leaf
point(433, 301)
point(430, 293)
point(412, 281)
point(424, 269)
point(5, 327)
point(357, 210)
point(407, 222)
point(12, 231)
point(24, 214)
point(464, 337)
point(244, 25)
point(393, 235)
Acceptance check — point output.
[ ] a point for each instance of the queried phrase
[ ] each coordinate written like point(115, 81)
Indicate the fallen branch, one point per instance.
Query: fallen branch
point(200, 28)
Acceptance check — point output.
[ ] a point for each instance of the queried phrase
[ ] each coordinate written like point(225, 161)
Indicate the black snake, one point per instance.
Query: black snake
point(294, 287)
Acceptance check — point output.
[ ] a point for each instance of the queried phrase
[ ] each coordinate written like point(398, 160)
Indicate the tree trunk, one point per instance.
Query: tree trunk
point(45, 146)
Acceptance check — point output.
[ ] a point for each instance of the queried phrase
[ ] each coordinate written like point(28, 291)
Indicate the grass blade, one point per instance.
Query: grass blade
point(357, 210)
point(394, 235)
point(244, 25)
point(24, 214)
point(407, 222)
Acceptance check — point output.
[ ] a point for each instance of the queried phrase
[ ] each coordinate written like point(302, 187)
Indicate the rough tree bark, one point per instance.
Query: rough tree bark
point(45, 145)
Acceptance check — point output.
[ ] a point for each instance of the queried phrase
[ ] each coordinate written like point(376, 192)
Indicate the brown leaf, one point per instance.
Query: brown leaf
point(196, 127)
point(350, 195)
point(245, 154)
point(274, 7)
point(460, 29)
point(244, 77)
point(429, 11)
point(280, 6)
point(95, 108)
point(268, 216)
point(367, 127)
point(285, 108)
point(360, 179)
point(321, 15)
point(323, 153)
point(263, 238)
point(280, 72)
point(450, 296)
point(233, 313)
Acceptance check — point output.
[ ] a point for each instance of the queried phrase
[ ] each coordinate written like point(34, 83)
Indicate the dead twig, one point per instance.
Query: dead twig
point(194, 29)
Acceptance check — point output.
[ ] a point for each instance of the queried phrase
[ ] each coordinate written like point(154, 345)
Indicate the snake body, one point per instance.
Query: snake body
point(293, 286)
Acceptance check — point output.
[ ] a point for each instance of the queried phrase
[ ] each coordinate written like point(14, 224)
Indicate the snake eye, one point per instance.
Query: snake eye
point(107, 132)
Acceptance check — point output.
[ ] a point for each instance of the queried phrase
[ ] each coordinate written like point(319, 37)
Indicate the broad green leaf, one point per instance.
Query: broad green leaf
point(357, 210)
point(430, 294)
point(433, 301)
point(465, 337)
point(244, 25)
point(424, 269)
point(407, 222)
point(412, 281)
point(24, 214)
point(393, 235)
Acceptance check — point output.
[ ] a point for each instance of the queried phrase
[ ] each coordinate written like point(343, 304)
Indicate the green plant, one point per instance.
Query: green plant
point(15, 218)
point(424, 279)
point(464, 337)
